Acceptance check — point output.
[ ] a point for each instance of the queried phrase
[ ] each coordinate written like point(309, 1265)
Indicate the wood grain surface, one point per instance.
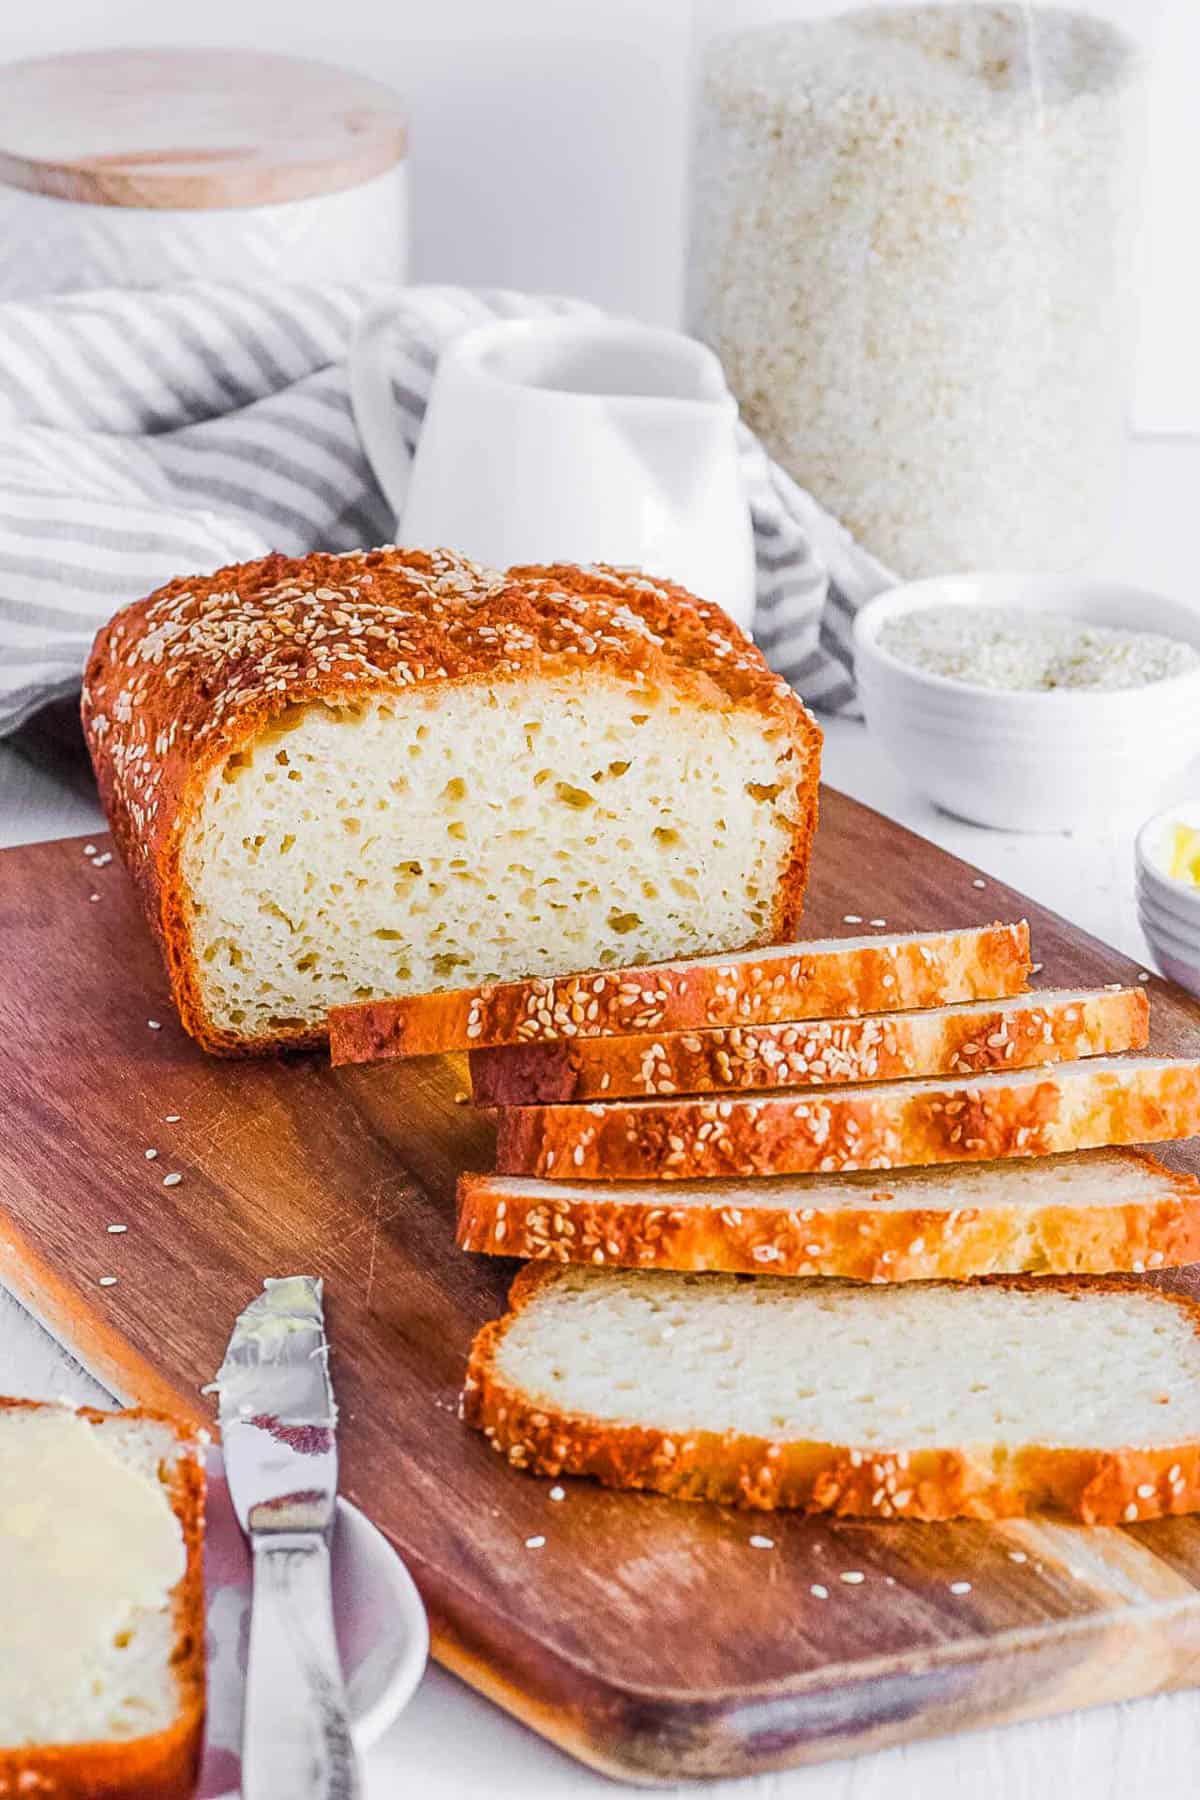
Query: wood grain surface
point(649, 1638)
point(192, 128)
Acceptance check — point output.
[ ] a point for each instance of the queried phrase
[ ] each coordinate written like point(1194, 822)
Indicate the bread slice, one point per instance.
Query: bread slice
point(101, 1541)
point(346, 776)
point(963, 1039)
point(822, 979)
point(1030, 1112)
point(933, 1400)
point(1090, 1213)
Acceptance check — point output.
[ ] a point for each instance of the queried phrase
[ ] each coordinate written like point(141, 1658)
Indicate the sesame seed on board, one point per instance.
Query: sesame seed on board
point(819, 1591)
point(172, 1180)
point(852, 1577)
point(535, 1543)
point(116, 1230)
point(108, 1281)
point(758, 1542)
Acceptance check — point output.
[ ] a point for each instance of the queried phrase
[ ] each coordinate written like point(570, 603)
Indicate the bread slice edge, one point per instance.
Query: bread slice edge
point(637, 1226)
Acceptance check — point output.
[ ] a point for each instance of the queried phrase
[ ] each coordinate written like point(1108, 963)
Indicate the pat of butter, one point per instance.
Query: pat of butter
point(1185, 854)
point(86, 1540)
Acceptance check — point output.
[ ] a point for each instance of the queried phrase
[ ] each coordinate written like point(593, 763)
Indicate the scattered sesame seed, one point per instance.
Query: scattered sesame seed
point(818, 1592)
point(557, 1493)
point(93, 897)
point(852, 919)
point(1036, 968)
point(108, 1281)
point(150, 1155)
point(879, 921)
point(534, 1543)
point(154, 1024)
point(89, 849)
point(172, 1180)
point(1144, 976)
point(172, 1118)
point(960, 1587)
point(852, 1577)
point(116, 1229)
point(1017, 1556)
point(758, 1542)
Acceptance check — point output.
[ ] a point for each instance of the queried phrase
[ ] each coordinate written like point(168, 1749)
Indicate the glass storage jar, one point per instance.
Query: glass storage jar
point(912, 241)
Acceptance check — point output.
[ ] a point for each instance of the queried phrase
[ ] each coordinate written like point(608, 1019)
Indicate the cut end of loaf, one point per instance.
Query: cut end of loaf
point(932, 1400)
point(453, 836)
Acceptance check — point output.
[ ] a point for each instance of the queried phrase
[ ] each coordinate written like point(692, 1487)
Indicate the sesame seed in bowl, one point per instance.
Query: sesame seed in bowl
point(1031, 702)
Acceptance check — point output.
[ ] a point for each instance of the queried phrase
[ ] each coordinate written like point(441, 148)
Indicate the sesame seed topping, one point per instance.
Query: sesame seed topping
point(960, 1587)
point(758, 1542)
point(534, 1543)
point(172, 1180)
point(557, 1493)
point(93, 897)
point(1017, 1556)
point(1145, 1490)
point(818, 1591)
point(1131, 1512)
point(852, 1577)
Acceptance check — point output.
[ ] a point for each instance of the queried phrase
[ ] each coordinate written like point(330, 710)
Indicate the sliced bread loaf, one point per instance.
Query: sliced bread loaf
point(101, 1569)
point(963, 1039)
point(346, 776)
point(1090, 1213)
point(928, 1401)
point(1034, 1112)
point(824, 978)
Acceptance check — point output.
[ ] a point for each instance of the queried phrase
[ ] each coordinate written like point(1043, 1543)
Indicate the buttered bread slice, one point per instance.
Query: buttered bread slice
point(101, 1572)
point(824, 978)
point(342, 777)
point(1094, 1212)
point(886, 1125)
point(928, 1401)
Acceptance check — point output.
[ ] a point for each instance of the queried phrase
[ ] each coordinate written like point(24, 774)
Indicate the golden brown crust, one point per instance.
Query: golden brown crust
point(877, 1047)
point(179, 681)
point(166, 1764)
point(1075, 1107)
point(1097, 1487)
point(790, 982)
point(635, 1225)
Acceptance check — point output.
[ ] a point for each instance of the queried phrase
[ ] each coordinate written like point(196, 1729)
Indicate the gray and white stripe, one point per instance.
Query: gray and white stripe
point(150, 434)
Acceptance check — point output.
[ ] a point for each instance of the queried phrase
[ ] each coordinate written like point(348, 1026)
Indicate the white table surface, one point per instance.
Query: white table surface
point(450, 1745)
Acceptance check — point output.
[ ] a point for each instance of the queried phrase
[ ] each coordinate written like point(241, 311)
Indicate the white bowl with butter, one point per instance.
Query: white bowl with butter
point(990, 741)
point(1168, 891)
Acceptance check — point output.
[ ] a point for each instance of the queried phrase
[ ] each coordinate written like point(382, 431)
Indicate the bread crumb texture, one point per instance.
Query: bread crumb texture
point(841, 1363)
point(347, 777)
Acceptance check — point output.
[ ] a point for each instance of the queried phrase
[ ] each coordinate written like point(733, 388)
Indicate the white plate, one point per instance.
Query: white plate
point(380, 1622)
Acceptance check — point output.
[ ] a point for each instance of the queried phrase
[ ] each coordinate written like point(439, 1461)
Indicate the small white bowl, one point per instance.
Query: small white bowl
point(1168, 910)
point(1031, 761)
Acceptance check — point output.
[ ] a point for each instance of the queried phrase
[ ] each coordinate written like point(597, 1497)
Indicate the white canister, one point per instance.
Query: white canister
point(133, 168)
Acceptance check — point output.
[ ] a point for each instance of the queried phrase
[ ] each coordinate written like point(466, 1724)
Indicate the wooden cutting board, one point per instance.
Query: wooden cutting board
point(648, 1637)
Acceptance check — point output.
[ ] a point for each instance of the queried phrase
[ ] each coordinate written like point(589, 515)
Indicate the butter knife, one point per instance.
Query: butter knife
point(278, 1423)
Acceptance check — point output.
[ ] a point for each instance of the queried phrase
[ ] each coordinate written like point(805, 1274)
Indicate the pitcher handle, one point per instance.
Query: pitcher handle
point(374, 410)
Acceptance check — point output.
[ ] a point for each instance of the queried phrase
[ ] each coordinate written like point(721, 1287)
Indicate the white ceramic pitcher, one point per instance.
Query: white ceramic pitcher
point(569, 440)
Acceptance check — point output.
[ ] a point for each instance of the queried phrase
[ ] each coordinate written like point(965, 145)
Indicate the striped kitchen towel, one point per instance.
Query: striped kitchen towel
point(145, 435)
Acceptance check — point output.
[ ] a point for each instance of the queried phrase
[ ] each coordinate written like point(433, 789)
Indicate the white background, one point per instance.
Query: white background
point(549, 137)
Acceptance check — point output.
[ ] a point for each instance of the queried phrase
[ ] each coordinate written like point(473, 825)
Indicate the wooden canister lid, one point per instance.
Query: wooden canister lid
point(192, 128)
